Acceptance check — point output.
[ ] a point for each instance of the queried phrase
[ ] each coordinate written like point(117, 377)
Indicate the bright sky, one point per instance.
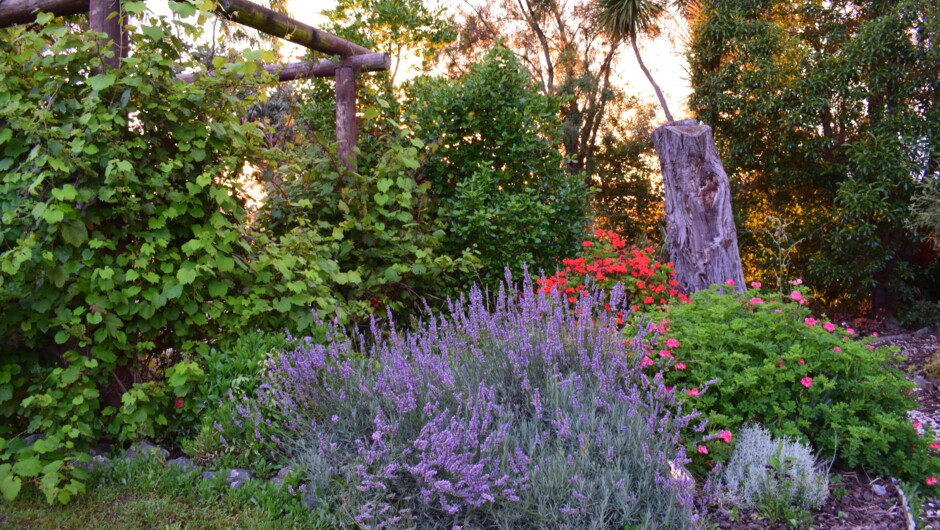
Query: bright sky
point(664, 57)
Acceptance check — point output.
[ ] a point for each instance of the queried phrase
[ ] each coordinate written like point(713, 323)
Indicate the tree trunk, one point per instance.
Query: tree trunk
point(700, 232)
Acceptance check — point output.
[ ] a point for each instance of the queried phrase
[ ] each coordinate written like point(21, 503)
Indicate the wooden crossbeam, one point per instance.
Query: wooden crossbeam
point(245, 12)
point(104, 17)
point(372, 62)
point(13, 12)
point(273, 23)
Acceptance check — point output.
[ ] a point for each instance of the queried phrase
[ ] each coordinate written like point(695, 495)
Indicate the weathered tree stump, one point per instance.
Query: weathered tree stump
point(701, 236)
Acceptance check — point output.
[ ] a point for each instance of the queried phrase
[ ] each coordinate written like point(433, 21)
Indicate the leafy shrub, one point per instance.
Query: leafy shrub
point(604, 262)
point(775, 475)
point(122, 244)
point(515, 413)
point(800, 376)
point(497, 168)
point(372, 235)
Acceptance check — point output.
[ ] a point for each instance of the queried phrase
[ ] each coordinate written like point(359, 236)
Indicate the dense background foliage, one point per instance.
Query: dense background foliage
point(827, 114)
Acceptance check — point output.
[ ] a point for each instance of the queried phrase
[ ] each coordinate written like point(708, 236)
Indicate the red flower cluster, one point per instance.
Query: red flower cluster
point(607, 260)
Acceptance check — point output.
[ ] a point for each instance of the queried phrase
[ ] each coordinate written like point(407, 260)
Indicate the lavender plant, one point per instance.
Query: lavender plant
point(507, 411)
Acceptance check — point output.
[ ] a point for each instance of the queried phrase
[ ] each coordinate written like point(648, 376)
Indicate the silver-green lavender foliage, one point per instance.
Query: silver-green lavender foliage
point(763, 466)
point(510, 412)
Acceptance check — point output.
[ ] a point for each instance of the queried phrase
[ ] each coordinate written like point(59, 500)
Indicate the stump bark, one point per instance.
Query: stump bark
point(701, 236)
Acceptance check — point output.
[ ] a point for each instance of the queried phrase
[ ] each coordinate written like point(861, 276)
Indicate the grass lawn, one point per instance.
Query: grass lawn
point(145, 495)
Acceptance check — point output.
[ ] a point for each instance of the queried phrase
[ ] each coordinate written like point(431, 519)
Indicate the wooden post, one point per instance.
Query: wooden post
point(346, 116)
point(105, 16)
point(700, 232)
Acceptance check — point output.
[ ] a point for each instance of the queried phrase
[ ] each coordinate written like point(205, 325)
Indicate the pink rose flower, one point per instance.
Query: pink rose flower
point(755, 285)
point(930, 480)
point(850, 331)
point(837, 349)
point(672, 343)
point(726, 436)
point(807, 382)
point(755, 301)
point(796, 295)
point(704, 450)
point(729, 281)
point(829, 326)
point(692, 391)
point(680, 366)
point(810, 321)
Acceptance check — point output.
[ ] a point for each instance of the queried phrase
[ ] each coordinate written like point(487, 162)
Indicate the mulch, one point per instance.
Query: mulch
point(861, 501)
point(853, 504)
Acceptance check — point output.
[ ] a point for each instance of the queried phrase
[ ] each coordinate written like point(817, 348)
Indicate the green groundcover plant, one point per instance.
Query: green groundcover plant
point(799, 375)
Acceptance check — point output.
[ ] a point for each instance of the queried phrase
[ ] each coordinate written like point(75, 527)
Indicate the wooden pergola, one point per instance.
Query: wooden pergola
point(105, 16)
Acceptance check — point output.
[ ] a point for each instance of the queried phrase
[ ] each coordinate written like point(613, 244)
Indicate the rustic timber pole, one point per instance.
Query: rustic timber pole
point(700, 232)
point(346, 116)
point(13, 12)
point(373, 62)
point(274, 23)
point(105, 16)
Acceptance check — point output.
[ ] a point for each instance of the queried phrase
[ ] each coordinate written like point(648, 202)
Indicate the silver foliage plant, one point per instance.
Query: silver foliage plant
point(763, 466)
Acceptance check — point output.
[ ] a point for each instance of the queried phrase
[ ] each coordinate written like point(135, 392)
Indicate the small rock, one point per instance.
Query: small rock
point(879, 489)
point(922, 382)
point(145, 448)
point(183, 463)
point(680, 472)
point(207, 475)
point(33, 438)
point(282, 474)
point(237, 477)
point(100, 450)
point(97, 461)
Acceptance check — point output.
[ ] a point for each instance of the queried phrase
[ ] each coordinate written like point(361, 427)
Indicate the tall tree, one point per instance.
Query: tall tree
point(566, 54)
point(625, 19)
point(829, 113)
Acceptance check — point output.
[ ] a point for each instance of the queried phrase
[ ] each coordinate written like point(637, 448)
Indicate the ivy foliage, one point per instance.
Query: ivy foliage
point(827, 114)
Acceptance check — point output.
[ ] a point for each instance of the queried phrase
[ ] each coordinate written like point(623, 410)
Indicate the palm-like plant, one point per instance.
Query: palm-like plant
point(628, 18)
